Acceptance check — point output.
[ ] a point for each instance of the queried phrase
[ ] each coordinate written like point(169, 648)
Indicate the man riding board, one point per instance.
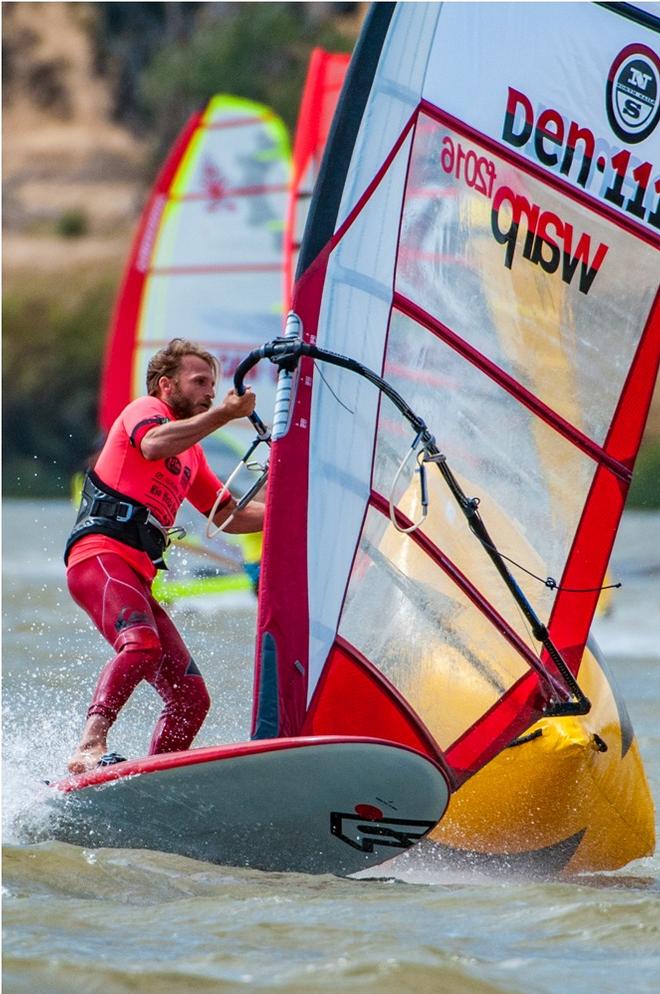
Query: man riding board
point(150, 462)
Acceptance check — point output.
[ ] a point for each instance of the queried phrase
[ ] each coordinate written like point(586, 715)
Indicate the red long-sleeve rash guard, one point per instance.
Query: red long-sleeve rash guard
point(161, 484)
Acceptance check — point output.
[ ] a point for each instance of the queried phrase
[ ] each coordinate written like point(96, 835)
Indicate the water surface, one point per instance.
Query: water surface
point(85, 920)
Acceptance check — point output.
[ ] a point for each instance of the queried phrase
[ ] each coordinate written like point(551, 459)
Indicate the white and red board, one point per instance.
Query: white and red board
point(312, 805)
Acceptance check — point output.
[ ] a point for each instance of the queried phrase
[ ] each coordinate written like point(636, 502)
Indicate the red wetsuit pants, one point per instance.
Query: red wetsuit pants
point(147, 645)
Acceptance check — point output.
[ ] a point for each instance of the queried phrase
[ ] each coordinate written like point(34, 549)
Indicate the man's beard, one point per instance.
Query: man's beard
point(181, 405)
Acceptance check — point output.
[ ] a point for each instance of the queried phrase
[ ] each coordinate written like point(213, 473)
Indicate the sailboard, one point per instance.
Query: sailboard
point(483, 239)
point(206, 264)
point(312, 805)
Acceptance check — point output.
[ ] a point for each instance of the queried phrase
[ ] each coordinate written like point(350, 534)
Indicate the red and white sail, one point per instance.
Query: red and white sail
point(484, 234)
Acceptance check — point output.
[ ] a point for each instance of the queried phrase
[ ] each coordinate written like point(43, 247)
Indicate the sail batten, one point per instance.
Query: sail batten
point(381, 504)
point(237, 191)
point(598, 454)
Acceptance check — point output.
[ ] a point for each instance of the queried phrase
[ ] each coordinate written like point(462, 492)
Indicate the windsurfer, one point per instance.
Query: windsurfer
point(150, 462)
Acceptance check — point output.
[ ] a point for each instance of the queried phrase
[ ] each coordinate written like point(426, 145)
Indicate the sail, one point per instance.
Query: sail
point(484, 234)
point(206, 263)
point(325, 77)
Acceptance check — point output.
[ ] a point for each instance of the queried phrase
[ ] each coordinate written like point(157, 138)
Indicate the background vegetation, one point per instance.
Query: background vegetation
point(167, 59)
point(53, 341)
point(645, 489)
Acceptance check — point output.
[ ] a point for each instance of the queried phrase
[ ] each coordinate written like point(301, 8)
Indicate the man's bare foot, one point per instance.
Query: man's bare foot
point(86, 758)
point(92, 745)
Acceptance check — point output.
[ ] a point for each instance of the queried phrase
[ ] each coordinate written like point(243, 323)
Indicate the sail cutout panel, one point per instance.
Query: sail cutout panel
point(533, 481)
point(207, 261)
point(483, 258)
point(441, 653)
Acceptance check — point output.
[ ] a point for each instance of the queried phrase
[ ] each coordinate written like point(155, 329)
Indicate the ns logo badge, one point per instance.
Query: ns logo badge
point(633, 93)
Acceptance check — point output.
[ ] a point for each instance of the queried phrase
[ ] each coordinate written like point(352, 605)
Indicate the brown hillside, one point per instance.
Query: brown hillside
point(62, 154)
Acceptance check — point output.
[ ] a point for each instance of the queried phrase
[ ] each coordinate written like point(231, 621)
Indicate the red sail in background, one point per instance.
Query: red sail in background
point(325, 78)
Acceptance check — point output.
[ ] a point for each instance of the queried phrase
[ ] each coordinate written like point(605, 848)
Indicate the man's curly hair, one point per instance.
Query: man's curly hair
point(167, 362)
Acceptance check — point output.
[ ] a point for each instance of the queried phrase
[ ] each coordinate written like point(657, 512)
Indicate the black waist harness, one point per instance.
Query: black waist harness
point(104, 511)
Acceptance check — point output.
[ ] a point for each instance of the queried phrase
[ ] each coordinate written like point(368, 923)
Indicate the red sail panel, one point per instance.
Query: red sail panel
point(280, 695)
point(596, 532)
point(352, 696)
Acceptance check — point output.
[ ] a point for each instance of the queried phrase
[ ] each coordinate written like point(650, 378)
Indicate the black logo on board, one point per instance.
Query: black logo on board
point(633, 93)
point(363, 834)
